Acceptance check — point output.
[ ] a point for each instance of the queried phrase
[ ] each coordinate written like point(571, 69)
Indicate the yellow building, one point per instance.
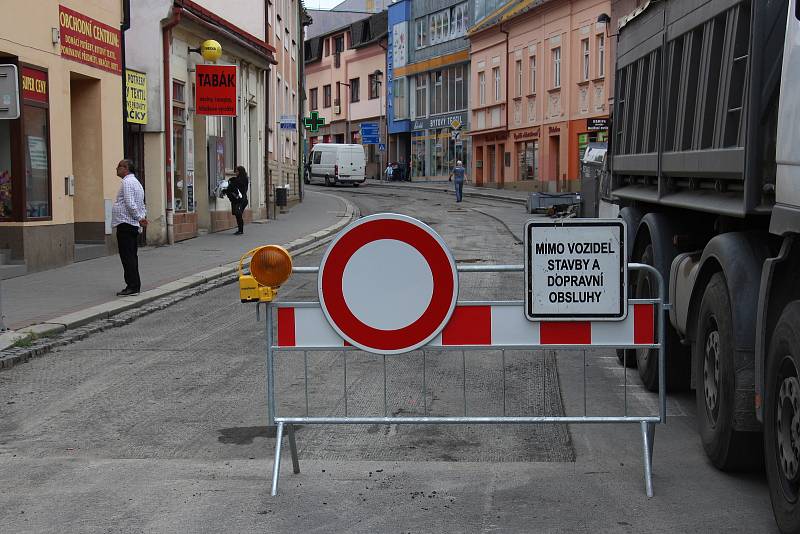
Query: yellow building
point(58, 159)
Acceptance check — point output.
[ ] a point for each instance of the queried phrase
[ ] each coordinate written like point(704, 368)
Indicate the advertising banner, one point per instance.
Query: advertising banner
point(216, 90)
point(136, 96)
point(34, 85)
point(89, 41)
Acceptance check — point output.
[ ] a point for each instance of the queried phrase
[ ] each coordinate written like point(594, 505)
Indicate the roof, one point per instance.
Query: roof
point(328, 21)
point(504, 13)
point(212, 18)
point(362, 33)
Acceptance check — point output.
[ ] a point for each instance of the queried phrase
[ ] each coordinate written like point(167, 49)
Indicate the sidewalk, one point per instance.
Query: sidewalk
point(84, 291)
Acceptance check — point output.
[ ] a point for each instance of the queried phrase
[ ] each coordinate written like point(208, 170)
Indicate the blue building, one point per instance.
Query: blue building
point(428, 74)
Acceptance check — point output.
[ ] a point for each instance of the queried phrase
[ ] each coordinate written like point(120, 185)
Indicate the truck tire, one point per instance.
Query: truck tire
point(328, 181)
point(782, 419)
point(632, 217)
point(713, 346)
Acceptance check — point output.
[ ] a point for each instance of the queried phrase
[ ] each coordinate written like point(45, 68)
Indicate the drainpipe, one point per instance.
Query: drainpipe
point(267, 103)
point(166, 38)
point(508, 108)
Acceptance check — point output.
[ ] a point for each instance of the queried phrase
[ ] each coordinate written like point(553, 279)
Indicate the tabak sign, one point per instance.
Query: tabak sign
point(216, 90)
point(89, 41)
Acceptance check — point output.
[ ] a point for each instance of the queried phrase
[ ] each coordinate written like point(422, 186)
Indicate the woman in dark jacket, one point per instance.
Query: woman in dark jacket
point(237, 194)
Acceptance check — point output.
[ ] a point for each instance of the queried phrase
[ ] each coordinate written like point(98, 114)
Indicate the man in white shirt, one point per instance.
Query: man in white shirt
point(128, 217)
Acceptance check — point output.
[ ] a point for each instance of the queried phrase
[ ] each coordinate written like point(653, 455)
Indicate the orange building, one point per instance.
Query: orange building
point(540, 88)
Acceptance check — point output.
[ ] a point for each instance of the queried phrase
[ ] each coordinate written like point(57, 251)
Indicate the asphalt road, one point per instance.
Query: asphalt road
point(159, 426)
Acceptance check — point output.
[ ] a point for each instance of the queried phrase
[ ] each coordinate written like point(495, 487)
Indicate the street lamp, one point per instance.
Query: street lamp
point(381, 113)
point(339, 94)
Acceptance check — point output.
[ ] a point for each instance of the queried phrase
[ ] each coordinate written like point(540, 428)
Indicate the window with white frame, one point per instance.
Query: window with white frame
point(556, 52)
point(585, 59)
point(422, 95)
point(437, 104)
point(459, 19)
point(601, 55)
point(421, 32)
point(482, 88)
point(496, 73)
point(532, 75)
point(519, 77)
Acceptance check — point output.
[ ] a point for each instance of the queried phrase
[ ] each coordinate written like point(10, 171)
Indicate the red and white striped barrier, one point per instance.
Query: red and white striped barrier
point(483, 325)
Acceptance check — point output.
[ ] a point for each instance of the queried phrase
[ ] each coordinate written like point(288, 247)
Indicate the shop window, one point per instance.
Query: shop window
point(36, 145)
point(6, 173)
point(183, 193)
point(229, 135)
point(528, 154)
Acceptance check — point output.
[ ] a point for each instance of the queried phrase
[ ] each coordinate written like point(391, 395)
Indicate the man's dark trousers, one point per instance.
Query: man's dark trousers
point(127, 237)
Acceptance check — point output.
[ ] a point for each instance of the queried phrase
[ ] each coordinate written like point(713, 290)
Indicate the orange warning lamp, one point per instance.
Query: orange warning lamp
point(270, 266)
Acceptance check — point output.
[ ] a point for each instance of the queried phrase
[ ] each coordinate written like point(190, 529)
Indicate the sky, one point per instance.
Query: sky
point(321, 4)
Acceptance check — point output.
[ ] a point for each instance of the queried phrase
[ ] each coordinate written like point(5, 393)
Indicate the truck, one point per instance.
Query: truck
point(704, 167)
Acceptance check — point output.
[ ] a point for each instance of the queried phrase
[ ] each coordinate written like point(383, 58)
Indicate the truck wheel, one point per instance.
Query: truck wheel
point(632, 217)
point(328, 181)
point(716, 383)
point(677, 356)
point(782, 419)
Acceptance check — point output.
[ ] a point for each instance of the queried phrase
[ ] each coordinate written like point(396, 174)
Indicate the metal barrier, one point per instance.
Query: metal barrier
point(302, 327)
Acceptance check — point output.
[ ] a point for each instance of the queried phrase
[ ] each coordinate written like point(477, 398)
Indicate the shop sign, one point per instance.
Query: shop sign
point(216, 90)
point(527, 134)
point(442, 121)
point(597, 124)
point(554, 129)
point(89, 41)
point(34, 85)
point(136, 96)
point(288, 122)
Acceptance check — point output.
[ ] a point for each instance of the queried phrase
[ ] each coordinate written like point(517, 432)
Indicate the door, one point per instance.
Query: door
point(491, 163)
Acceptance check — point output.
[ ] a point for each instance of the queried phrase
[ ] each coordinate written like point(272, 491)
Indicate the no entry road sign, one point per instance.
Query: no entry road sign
point(575, 270)
point(388, 284)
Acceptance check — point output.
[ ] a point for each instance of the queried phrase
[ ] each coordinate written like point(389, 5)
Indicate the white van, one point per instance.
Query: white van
point(332, 163)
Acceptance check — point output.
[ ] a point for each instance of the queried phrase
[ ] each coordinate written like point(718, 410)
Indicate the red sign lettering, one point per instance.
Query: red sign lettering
point(89, 41)
point(216, 90)
point(34, 85)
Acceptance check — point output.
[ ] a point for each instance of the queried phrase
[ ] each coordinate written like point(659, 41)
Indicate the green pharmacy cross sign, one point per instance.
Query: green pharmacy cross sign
point(314, 121)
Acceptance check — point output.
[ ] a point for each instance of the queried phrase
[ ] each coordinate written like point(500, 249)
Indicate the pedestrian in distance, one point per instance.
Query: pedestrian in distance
point(128, 217)
point(237, 194)
point(458, 173)
point(389, 172)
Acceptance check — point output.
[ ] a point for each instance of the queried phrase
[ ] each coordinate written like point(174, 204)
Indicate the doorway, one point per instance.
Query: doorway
point(491, 163)
point(555, 160)
point(87, 167)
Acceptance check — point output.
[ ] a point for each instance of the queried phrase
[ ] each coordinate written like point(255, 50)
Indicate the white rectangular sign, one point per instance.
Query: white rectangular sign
point(575, 270)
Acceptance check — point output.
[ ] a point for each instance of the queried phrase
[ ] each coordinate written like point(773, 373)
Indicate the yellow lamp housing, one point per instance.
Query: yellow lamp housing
point(211, 50)
point(270, 266)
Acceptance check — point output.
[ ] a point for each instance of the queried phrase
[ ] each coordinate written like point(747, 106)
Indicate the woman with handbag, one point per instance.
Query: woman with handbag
point(237, 194)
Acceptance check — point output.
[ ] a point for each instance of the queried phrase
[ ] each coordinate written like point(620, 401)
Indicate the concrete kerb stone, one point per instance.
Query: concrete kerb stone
point(78, 325)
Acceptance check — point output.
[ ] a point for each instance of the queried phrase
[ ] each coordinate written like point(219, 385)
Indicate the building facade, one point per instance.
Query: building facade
point(58, 159)
point(183, 155)
point(430, 70)
point(345, 76)
point(542, 77)
point(285, 20)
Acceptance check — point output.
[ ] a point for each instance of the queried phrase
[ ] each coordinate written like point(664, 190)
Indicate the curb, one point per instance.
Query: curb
point(77, 325)
point(472, 192)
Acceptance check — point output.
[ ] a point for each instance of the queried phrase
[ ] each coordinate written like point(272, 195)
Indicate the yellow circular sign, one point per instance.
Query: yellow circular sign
point(211, 50)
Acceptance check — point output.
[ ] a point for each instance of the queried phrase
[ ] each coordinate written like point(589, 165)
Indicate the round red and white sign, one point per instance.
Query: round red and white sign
point(388, 283)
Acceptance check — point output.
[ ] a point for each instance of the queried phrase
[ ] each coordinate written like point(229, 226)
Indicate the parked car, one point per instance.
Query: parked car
point(336, 163)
